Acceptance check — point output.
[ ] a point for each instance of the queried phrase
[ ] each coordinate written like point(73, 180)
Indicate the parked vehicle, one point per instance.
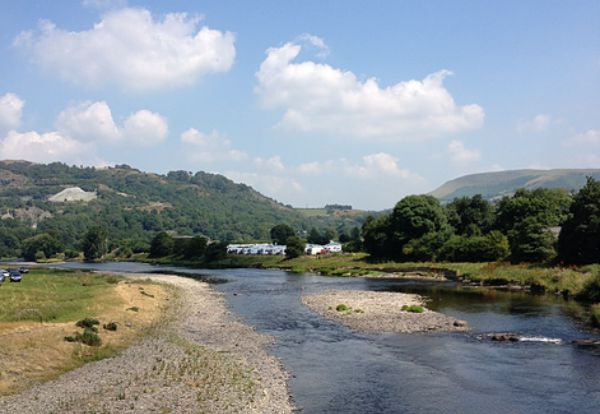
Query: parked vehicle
point(23, 269)
point(4, 273)
point(15, 276)
point(1, 278)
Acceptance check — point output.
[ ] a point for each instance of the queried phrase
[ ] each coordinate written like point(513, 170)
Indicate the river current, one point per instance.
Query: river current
point(337, 370)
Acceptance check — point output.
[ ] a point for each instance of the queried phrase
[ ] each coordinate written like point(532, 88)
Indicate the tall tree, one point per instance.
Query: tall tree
point(95, 243)
point(579, 239)
point(294, 247)
point(162, 245)
point(280, 233)
point(470, 216)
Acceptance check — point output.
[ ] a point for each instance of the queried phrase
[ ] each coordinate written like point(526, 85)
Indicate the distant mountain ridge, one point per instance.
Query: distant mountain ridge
point(494, 185)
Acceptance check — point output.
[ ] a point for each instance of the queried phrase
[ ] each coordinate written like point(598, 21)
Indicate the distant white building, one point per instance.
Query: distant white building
point(256, 249)
point(333, 247)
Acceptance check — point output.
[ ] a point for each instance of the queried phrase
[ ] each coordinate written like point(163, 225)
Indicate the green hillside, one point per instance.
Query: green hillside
point(131, 204)
point(494, 185)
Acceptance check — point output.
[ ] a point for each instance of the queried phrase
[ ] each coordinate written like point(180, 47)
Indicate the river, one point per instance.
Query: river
point(337, 370)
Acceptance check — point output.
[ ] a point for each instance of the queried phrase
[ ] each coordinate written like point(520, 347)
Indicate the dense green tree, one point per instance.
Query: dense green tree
point(579, 239)
point(294, 247)
point(527, 217)
point(550, 206)
point(280, 233)
point(531, 241)
point(95, 243)
point(491, 247)
point(161, 245)
point(215, 251)
point(377, 236)
point(471, 216)
point(196, 247)
point(45, 243)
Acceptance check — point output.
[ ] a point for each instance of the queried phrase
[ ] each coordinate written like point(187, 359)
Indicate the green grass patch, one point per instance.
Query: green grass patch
point(341, 307)
point(413, 308)
point(46, 295)
point(596, 314)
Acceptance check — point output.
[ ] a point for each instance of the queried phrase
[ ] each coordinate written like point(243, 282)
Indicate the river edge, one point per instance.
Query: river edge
point(201, 359)
point(378, 312)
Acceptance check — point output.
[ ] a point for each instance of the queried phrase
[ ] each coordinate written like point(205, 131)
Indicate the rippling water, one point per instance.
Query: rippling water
point(336, 370)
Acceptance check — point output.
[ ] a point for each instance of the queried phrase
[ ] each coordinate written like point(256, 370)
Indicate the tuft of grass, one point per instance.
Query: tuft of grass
point(413, 308)
point(341, 308)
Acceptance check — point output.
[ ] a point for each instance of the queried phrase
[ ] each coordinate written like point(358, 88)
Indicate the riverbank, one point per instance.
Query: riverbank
point(198, 358)
point(378, 312)
point(566, 281)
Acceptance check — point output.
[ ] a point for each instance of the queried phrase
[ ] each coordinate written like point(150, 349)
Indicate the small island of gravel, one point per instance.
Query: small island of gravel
point(380, 312)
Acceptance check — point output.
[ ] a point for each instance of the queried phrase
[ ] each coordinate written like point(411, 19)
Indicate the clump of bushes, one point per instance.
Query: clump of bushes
point(88, 323)
point(111, 326)
point(413, 308)
point(88, 337)
point(341, 308)
point(591, 289)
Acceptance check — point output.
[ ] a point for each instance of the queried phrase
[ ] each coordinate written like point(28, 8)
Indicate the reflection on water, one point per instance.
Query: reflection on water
point(337, 370)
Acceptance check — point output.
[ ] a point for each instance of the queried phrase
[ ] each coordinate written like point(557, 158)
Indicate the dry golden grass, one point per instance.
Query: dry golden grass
point(34, 351)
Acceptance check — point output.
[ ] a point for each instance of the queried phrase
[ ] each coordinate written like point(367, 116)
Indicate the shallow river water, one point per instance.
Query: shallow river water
point(337, 370)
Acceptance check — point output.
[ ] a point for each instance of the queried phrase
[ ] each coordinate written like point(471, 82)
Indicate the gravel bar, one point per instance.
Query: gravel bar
point(200, 360)
point(380, 312)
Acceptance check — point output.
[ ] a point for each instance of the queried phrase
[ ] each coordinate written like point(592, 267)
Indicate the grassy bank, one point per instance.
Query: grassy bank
point(38, 313)
point(567, 281)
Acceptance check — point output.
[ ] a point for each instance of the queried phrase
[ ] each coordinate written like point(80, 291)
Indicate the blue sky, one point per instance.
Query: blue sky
point(309, 102)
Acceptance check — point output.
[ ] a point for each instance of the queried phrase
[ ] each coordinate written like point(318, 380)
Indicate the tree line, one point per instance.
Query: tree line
point(542, 225)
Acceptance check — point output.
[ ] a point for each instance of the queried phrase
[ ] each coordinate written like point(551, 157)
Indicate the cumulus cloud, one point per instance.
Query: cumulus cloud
point(88, 121)
point(145, 128)
point(538, 123)
point(210, 147)
point(372, 166)
point(459, 154)
point(11, 109)
point(319, 97)
point(93, 121)
point(271, 164)
point(591, 137)
point(132, 49)
point(46, 147)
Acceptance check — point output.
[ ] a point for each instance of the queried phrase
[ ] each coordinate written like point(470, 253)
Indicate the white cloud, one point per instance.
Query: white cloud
point(145, 128)
point(272, 164)
point(538, 123)
point(128, 47)
point(591, 137)
point(315, 41)
point(11, 109)
point(210, 147)
point(46, 147)
point(269, 184)
point(372, 166)
point(88, 121)
point(318, 97)
point(459, 154)
point(93, 122)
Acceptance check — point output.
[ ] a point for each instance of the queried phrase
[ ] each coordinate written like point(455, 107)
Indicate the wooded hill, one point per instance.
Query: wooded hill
point(494, 185)
point(133, 205)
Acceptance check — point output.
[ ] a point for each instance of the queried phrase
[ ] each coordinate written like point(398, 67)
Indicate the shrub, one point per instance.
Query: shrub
point(413, 308)
point(591, 289)
point(341, 308)
point(88, 323)
point(90, 338)
point(111, 326)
